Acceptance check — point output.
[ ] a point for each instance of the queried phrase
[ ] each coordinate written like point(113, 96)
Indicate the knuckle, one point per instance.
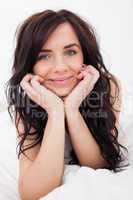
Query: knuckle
point(33, 95)
point(91, 67)
point(32, 81)
point(22, 84)
point(98, 74)
point(36, 76)
point(28, 76)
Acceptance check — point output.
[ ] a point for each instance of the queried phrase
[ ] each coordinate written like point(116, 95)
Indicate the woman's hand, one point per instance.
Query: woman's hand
point(32, 85)
point(88, 77)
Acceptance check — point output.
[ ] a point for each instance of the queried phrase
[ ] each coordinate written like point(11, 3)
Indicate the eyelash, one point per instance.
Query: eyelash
point(72, 51)
point(43, 56)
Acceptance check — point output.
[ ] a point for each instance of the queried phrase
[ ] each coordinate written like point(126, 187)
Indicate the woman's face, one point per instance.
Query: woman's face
point(60, 60)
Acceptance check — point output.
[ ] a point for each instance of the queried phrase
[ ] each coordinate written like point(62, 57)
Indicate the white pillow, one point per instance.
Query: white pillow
point(8, 159)
point(126, 118)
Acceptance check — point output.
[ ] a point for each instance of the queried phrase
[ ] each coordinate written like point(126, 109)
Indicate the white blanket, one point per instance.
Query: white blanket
point(84, 183)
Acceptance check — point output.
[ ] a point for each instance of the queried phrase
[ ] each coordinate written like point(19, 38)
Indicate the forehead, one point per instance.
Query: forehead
point(62, 36)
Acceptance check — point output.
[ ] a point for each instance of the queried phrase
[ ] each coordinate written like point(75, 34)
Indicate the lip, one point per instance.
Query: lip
point(61, 82)
point(61, 78)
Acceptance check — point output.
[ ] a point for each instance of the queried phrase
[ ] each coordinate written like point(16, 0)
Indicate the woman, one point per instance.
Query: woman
point(61, 92)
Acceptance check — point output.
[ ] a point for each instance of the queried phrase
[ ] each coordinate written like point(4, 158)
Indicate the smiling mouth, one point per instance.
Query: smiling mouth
point(61, 82)
point(61, 79)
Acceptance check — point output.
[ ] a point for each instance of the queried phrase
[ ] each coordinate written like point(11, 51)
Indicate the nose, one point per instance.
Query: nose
point(60, 65)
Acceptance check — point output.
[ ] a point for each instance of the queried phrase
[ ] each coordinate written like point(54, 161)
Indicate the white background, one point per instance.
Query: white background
point(112, 20)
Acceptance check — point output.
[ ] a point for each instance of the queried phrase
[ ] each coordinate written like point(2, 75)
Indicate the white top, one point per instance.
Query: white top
point(68, 148)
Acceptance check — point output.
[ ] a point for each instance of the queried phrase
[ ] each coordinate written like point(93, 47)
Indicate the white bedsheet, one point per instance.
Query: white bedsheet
point(84, 183)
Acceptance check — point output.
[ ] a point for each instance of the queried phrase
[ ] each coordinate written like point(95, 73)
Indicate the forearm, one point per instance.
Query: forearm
point(46, 172)
point(85, 146)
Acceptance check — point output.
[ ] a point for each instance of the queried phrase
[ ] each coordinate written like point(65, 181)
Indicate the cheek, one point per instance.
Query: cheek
point(75, 63)
point(40, 70)
point(76, 67)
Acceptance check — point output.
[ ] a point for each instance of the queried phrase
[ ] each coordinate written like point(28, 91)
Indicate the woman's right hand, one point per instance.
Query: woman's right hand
point(31, 84)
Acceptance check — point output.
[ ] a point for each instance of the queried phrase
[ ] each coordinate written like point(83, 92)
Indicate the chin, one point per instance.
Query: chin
point(62, 93)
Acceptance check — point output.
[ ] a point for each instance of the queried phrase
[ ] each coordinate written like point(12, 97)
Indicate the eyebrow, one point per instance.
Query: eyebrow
point(65, 47)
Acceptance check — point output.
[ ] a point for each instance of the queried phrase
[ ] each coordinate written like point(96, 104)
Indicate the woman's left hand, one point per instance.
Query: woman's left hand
point(88, 76)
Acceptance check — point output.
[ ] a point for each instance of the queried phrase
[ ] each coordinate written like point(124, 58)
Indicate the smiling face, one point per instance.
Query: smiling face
point(60, 60)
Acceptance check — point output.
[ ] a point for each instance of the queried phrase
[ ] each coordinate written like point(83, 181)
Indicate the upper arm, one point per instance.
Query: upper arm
point(31, 153)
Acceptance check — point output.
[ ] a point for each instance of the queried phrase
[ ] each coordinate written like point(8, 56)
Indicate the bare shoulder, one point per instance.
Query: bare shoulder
point(116, 93)
point(116, 84)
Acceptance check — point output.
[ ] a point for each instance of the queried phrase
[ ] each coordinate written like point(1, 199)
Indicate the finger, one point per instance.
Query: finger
point(83, 67)
point(43, 92)
point(79, 76)
point(90, 80)
point(39, 88)
point(87, 84)
point(27, 77)
point(26, 86)
point(86, 75)
point(38, 78)
point(35, 84)
point(92, 69)
point(89, 68)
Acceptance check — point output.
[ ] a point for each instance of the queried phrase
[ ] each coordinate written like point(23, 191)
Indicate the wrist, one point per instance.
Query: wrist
point(72, 108)
point(56, 113)
point(71, 111)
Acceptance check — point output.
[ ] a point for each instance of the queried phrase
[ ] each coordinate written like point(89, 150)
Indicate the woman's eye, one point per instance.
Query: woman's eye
point(47, 56)
point(71, 52)
point(44, 56)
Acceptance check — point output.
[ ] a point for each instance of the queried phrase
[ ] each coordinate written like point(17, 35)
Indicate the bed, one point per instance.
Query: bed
point(78, 182)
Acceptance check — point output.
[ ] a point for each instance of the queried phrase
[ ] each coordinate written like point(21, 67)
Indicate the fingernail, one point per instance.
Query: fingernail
point(83, 66)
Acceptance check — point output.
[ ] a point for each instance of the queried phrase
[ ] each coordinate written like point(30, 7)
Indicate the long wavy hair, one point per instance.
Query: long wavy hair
point(98, 115)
